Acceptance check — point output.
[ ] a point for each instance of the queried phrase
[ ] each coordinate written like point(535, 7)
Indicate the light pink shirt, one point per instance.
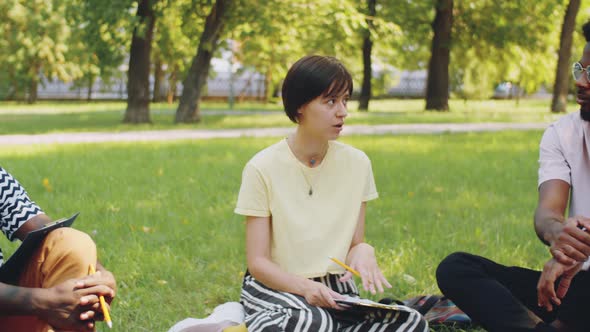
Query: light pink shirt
point(564, 154)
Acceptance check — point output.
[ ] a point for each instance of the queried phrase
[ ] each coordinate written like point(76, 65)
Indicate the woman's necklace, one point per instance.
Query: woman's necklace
point(312, 162)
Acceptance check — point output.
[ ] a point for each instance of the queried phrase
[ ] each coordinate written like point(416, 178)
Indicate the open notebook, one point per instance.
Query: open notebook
point(11, 269)
point(364, 304)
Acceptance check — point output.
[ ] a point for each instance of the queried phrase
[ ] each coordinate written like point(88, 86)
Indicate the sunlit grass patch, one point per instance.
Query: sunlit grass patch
point(162, 213)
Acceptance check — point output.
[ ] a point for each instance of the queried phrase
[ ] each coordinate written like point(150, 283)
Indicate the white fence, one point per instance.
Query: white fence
point(247, 84)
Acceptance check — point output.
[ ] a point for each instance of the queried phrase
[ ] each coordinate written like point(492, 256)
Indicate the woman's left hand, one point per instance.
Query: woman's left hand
point(361, 257)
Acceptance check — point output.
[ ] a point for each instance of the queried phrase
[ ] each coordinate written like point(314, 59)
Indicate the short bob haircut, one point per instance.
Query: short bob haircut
point(310, 77)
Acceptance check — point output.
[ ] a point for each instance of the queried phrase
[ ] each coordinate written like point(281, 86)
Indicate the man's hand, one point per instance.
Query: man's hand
point(101, 277)
point(361, 257)
point(72, 305)
point(546, 294)
point(570, 244)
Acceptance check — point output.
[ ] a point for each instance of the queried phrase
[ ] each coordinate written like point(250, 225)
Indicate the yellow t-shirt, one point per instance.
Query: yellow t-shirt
point(308, 229)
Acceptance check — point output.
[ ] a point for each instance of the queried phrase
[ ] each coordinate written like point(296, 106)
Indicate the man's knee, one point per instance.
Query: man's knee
point(71, 242)
point(68, 249)
point(65, 253)
point(451, 267)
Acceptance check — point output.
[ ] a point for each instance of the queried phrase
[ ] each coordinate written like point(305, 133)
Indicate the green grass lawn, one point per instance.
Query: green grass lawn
point(47, 117)
point(162, 213)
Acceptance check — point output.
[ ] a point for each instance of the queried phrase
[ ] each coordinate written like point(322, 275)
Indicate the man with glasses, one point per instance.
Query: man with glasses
point(505, 299)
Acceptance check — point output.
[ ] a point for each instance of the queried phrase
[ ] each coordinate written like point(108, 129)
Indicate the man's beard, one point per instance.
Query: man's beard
point(585, 115)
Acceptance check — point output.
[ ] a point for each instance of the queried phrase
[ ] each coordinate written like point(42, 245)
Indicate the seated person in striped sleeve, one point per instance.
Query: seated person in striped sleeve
point(304, 199)
point(54, 291)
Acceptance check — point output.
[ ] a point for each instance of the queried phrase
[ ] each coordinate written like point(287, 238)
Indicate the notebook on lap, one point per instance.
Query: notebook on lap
point(364, 304)
point(11, 269)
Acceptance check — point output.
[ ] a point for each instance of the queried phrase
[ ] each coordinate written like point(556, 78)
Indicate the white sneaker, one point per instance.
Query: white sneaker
point(223, 316)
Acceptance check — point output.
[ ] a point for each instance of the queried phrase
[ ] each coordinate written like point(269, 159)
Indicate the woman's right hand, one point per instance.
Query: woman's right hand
point(320, 295)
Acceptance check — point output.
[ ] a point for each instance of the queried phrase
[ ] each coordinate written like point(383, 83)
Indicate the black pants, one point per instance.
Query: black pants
point(504, 298)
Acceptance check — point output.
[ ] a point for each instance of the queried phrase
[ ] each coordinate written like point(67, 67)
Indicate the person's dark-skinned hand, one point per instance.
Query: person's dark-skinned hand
point(571, 244)
point(547, 296)
point(72, 305)
point(101, 277)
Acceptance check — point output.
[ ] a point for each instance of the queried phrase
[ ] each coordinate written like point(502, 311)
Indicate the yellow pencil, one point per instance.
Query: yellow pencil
point(337, 261)
point(103, 304)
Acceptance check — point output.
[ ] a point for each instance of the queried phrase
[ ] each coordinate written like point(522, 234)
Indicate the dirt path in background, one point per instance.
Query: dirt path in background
point(186, 134)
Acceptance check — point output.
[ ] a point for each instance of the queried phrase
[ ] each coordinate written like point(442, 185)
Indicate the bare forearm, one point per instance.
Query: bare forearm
point(272, 276)
point(31, 225)
point(20, 300)
point(547, 224)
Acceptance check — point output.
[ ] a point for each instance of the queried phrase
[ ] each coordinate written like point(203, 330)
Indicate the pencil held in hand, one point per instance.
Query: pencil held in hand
point(103, 304)
point(348, 268)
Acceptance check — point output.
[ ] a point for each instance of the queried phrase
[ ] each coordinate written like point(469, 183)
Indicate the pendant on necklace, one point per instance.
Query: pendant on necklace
point(310, 191)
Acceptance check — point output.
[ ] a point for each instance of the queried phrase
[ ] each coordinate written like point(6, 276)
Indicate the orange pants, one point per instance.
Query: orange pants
point(64, 254)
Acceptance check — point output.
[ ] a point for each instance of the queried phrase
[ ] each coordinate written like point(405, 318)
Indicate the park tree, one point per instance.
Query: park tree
point(271, 43)
point(365, 94)
point(488, 47)
point(380, 37)
point(35, 46)
point(500, 51)
point(138, 84)
point(115, 16)
point(100, 39)
point(562, 75)
point(188, 108)
point(437, 85)
point(175, 39)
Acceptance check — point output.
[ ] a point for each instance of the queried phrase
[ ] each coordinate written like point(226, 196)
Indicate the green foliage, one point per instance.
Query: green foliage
point(163, 220)
point(271, 43)
point(495, 41)
point(35, 43)
point(82, 40)
point(100, 39)
point(409, 47)
point(176, 36)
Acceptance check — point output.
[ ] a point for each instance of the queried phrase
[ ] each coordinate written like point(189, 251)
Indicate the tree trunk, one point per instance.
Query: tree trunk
point(365, 95)
point(32, 97)
point(172, 80)
point(33, 85)
point(562, 76)
point(90, 85)
point(158, 79)
point(188, 107)
point(138, 83)
point(437, 86)
point(267, 85)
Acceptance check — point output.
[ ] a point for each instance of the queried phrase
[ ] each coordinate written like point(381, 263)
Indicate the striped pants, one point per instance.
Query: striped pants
point(268, 310)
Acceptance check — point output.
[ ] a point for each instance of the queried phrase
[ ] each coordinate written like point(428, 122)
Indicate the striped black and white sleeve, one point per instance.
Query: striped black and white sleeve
point(15, 205)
